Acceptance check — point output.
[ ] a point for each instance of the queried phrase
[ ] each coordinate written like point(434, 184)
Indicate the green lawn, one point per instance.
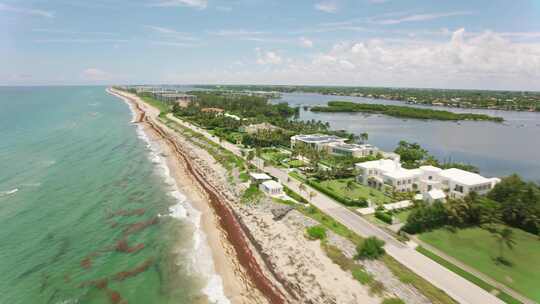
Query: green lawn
point(358, 191)
point(273, 156)
point(295, 163)
point(468, 276)
point(163, 107)
point(477, 248)
point(402, 215)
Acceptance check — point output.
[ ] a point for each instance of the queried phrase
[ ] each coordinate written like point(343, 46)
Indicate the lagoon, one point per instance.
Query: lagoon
point(498, 149)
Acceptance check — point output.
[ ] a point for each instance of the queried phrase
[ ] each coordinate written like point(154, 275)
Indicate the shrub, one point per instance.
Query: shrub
point(362, 276)
point(392, 301)
point(294, 195)
point(383, 216)
point(371, 248)
point(426, 218)
point(252, 195)
point(316, 232)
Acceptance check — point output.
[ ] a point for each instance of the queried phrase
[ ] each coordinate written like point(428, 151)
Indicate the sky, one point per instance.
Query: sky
point(469, 44)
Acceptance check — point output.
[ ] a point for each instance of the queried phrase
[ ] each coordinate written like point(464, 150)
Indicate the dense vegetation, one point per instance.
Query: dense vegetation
point(401, 111)
point(244, 110)
point(502, 100)
point(412, 155)
point(513, 202)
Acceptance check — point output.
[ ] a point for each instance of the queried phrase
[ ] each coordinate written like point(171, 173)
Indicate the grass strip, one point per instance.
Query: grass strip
point(468, 276)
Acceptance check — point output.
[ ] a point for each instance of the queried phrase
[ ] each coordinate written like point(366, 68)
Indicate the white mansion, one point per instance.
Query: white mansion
point(432, 182)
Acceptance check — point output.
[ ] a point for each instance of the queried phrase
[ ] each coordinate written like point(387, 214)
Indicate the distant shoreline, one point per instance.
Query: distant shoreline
point(401, 111)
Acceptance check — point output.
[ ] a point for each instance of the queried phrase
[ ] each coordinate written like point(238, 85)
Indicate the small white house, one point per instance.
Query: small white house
point(271, 188)
point(258, 178)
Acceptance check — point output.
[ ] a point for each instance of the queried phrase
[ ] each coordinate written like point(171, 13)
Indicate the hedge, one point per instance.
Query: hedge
point(383, 216)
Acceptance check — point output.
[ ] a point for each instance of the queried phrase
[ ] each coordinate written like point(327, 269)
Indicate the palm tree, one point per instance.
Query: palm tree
point(364, 136)
point(505, 238)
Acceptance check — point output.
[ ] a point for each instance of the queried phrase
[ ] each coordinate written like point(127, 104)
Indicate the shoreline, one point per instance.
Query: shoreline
point(227, 276)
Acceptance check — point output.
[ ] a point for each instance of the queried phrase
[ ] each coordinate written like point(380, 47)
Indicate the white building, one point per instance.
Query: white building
point(435, 184)
point(386, 172)
point(271, 188)
point(354, 150)
point(316, 141)
point(258, 178)
point(460, 183)
point(334, 145)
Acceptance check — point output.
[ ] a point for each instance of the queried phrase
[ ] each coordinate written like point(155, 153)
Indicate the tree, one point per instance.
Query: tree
point(411, 154)
point(519, 203)
point(371, 248)
point(504, 238)
point(364, 137)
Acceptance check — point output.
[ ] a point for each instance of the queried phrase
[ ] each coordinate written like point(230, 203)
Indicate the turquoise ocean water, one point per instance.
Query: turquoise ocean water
point(84, 208)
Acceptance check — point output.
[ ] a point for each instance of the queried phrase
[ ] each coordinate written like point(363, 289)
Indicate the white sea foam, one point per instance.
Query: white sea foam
point(8, 192)
point(201, 260)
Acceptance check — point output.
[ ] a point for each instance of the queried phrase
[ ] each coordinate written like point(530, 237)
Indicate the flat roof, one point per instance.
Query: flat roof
point(272, 184)
point(383, 164)
point(437, 194)
point(259, 175)
point(313, 138)
point(352, 146)
point(464, 177)
point(403, 173)
point(431, 168)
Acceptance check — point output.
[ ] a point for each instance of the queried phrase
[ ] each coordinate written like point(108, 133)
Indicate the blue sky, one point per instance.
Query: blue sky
point(492, 44)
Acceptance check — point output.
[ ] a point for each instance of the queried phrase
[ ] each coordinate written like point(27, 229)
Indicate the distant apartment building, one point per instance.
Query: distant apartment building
point(432, 182)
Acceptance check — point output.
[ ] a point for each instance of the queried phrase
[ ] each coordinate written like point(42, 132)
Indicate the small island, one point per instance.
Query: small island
point(401, 111)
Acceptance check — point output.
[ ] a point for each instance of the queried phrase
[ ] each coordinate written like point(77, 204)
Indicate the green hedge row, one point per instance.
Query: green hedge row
point(345, 201)
point(383, 216)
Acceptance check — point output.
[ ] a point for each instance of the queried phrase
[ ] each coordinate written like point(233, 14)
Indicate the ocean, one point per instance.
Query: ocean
point(88, 213)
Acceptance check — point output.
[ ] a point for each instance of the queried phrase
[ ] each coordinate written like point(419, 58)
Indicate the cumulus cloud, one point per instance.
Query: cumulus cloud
point(199, 4)
point(267, 57)
point(306, 42)
point(327, 7)
point(478, 60)
point(483, 60)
